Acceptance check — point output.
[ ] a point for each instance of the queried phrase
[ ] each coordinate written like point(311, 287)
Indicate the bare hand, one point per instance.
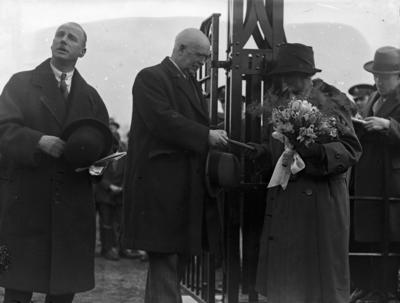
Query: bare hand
point(376, 123)
point(115, 188)
point(51, 145)
point(217, 137)
point(257, 152)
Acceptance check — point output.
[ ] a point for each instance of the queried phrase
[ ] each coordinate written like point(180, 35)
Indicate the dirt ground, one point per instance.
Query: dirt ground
point(116, 282)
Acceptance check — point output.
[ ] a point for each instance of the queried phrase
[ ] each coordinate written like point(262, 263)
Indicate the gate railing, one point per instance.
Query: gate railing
point(262, 22)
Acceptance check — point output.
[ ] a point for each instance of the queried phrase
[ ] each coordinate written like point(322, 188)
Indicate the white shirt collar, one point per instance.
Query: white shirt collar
point(176, 65)
point(57, 75)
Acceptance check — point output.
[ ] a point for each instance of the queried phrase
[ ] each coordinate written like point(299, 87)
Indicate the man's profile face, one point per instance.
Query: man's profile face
point(193, 57)
point(386, 83)
point(361, 101)
point(68, 43)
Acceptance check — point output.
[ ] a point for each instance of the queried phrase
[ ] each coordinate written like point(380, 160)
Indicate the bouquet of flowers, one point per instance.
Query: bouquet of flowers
point(300, 122)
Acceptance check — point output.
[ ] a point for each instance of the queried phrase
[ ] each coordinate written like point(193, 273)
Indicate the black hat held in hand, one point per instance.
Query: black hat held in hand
point(87, 140)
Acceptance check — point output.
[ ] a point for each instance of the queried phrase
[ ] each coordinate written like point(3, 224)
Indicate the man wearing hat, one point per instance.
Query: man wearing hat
point(377, 176)
point(304, 244)
point(361, 93)
point(165, 207)
point(51, 122)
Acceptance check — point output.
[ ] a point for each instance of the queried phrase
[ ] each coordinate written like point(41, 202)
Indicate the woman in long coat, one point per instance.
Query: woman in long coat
point(304, 244)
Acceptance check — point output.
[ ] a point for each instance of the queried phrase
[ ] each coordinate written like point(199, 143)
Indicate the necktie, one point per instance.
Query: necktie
point(63, 86)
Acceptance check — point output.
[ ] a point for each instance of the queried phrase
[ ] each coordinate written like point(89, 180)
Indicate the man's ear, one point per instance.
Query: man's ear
point(83, 52)
point(182, 47)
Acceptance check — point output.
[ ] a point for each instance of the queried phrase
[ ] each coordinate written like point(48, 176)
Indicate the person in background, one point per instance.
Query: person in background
point(377, 177)
point(166, 209)
point(304, 244)
point(47, 211)
point(108, 196)
point(361, 94)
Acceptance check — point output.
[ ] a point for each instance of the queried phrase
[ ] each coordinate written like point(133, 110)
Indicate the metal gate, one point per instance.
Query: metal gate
point(255, 29)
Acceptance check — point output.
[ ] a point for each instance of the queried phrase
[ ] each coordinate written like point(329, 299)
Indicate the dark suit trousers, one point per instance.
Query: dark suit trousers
point(164, 275)
point(110, 222)
point(17, 296)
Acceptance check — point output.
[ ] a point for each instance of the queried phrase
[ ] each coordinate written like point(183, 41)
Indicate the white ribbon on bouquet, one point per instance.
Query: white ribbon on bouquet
point(289, 163)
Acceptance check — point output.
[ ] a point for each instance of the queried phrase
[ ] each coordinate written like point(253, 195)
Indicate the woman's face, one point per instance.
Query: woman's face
point(299, 84)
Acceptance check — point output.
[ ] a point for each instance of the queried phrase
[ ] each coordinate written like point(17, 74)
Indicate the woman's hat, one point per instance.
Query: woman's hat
point(87, 140)
point(294, 57)
point(386, 61)
point(222, 171)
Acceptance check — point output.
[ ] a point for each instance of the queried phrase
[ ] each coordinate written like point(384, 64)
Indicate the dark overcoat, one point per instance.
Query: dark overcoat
point(304, 244)
point(378, 174)
point(47, 215)
point(164, 205)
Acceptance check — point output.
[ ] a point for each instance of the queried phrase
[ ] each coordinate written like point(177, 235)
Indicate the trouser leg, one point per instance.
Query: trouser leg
point(163, 278)
point(17, 296)
point(65, 298)
point(106, 227)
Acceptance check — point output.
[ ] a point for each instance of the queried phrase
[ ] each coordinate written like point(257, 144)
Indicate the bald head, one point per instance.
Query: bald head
point(77, 27)
point(191, 49)
point(191, 37)
point(69, 44)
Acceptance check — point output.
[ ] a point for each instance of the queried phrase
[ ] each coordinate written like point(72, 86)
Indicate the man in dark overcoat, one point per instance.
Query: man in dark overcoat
point(47, 215)
point(166, 213)
point(377, 178)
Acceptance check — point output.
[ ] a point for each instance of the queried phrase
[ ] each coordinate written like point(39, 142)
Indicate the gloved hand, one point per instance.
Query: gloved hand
point(313, 150)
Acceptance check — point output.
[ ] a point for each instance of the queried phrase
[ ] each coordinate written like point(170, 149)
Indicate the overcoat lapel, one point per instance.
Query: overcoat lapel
point(79, 100)
point(185, 86)
point(368, 108)
point(51, 98)
point(388, 106)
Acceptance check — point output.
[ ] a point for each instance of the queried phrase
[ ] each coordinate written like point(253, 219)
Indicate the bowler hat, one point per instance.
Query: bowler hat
point(294, 57)
point(386, 61)
point(360, 90)
point(87, 140)
point(222, 171)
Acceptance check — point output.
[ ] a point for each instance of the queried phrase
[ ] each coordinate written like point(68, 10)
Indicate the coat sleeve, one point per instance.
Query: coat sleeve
point(339, 156)
point(151, 101)
point(17, 141)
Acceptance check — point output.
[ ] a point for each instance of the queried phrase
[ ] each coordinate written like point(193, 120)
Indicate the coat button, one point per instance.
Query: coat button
point(308, 191)
point(337, 156)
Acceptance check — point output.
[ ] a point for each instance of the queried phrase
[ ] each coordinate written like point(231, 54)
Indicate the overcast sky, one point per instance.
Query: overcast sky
point(368, 23)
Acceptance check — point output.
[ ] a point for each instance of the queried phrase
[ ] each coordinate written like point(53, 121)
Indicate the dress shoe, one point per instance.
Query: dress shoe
point(144, 257)
point(111, 254)
point(373, 297)
point(357, 294)
point(129, 254)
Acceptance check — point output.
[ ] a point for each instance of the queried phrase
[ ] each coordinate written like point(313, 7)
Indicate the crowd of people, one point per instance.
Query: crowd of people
point(153, 203)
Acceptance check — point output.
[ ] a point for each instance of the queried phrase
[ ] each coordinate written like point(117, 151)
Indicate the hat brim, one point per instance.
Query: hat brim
point(362, 88)
point(222, 171)
point(283, 71)
point(369, 68)
point(104, 129)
